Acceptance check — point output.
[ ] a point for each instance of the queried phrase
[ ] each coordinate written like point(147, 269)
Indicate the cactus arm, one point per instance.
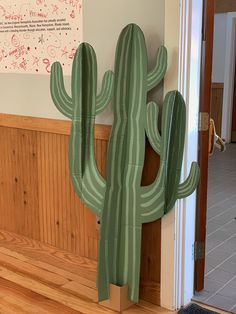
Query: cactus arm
point(105, 95)
point(166, 186)
point(59, 95)
point(186, 188)
point(87, 181)
point(152, 215)
point(156, 203)
point(153, 199)
point(170, 155)
point(152, 131)
point(158, 73)
point(85, 178)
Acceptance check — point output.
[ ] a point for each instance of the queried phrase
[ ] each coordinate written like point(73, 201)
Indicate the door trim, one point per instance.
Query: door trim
point(205, 102)
point(178, 226)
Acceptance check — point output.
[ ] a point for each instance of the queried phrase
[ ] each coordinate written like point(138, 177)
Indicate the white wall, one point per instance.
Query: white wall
point(103, 20)
point(27, 95)
point(219, 49)
point(102, 31)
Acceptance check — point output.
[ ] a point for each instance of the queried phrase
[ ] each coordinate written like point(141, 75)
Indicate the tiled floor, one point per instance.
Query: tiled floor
point(220, 268)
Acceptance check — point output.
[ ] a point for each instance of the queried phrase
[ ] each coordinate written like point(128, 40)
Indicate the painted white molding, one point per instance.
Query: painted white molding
point(229, 77)
point(189, 86)
point(178, 226)
point(183, 86)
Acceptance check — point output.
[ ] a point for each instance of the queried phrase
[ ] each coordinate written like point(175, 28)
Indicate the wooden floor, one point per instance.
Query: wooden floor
point(37, 278)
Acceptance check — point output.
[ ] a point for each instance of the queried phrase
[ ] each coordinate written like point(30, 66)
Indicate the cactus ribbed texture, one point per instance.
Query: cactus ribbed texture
point(82, 108)
point(121, 202)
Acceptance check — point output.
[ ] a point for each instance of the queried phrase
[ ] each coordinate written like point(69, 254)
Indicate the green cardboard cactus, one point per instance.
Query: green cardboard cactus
point(121, 202)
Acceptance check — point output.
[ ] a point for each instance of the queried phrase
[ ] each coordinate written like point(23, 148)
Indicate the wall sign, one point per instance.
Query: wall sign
point(35, 33)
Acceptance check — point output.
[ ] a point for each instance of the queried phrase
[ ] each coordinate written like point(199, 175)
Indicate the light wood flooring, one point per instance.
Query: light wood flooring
point(38, 278)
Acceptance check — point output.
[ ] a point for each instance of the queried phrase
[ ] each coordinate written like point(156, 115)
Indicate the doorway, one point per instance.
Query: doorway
point(215, 272)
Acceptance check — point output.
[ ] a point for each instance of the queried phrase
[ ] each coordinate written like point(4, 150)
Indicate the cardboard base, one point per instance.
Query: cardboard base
point(118, 299)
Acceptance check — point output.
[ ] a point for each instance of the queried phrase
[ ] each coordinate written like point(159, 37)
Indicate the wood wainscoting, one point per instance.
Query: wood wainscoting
point(225, 6)
point(217, 93)
point(37, 200)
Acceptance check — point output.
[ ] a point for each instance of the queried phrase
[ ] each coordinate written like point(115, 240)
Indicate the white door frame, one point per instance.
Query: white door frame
point(230, 54)
point(178, 226)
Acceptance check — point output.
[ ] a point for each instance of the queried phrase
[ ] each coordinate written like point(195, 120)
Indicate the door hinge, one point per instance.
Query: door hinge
point(203, 124)
point(199, 250)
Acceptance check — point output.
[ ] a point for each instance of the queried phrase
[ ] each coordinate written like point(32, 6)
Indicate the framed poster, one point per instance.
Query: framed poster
point(35, 33)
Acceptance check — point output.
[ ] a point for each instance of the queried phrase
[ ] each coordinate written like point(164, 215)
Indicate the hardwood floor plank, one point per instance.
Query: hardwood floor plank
point(56, 270)
point(4, 309)
point(36, 302)
point(145, 307)
point(32, 271)
point(7, 306)
point(51, 293)
point(78, 265)
point(38, 278)
point(79, 289)
point(22, 306)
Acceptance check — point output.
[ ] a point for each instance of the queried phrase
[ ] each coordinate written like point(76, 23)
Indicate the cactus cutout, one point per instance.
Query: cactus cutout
point(121, 202)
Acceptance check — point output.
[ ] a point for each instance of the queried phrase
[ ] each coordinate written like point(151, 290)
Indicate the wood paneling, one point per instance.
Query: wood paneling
point(48, 125)
point(233, 137)
point(19, 206)
point(151, 232)
point(37, 199)
point(217, 93)
point(233, 129)
point(223, 6)
point(217, 85)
